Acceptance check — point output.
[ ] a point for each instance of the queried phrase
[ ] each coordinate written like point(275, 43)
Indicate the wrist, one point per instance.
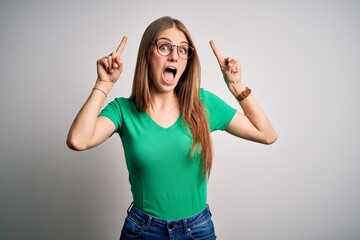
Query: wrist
point(104, 86)
point(236, 88)
point(239, 91)
point(244, 94)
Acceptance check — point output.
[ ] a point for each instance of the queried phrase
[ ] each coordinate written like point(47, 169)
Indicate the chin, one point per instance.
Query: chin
point(163, 88)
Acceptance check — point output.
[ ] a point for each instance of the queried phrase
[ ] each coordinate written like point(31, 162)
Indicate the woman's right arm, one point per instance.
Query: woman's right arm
point(88, 129)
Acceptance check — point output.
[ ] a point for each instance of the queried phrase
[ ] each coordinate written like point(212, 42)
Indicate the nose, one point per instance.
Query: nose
point(174, 54)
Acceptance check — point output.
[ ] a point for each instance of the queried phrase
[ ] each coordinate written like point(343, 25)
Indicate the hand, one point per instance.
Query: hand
point(109, 68)
point(231, 70)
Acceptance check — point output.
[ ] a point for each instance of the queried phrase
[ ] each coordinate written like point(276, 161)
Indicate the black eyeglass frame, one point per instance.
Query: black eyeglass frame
point(177, 49)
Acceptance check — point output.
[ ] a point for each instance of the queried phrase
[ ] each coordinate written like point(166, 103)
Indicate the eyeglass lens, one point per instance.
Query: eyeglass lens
point(165, 48)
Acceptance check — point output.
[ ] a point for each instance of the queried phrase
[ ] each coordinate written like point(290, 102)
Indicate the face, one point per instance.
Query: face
point(165, 71)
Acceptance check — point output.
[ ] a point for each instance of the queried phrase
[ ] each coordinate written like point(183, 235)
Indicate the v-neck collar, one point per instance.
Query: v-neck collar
point(153, 122)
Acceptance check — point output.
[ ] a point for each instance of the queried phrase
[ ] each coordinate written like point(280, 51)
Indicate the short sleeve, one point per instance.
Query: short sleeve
point(219, 113)
point(113, 112)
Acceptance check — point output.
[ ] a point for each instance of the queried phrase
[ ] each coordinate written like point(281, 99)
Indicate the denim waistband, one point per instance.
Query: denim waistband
point(146, 220)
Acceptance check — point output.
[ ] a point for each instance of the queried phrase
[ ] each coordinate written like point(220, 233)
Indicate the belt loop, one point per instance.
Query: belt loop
point(208, 209)
point(146, 227)
point(185, 225)
point(128, 210)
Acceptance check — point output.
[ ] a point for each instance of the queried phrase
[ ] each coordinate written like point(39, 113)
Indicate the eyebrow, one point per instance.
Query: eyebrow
point(167, 39)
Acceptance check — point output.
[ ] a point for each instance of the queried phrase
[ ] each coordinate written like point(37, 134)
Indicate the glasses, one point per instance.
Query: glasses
point(165, 48)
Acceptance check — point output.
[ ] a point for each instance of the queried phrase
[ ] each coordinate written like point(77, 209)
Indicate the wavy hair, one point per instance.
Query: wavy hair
point(187, 89)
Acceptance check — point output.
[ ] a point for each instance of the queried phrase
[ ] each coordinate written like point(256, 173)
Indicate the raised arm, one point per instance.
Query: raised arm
point(87, 129)
point(253, 123)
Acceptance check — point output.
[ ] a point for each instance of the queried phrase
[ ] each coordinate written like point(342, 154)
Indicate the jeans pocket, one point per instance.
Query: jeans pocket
point(131, 229)
point(203, 231)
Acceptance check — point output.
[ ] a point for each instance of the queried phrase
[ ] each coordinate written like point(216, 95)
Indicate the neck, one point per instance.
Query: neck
point(163, 100)
point(164, 108)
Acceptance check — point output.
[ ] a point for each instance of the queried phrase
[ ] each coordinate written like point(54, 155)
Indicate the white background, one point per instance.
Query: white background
point(301, 59)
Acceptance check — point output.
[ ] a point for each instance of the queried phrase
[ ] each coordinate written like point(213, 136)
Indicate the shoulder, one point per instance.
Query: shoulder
point(205, 94)
point(208, 97)
point(116, 107)
point(219, 113)
point(122, 100)
point(122, 103)
point(118, 111)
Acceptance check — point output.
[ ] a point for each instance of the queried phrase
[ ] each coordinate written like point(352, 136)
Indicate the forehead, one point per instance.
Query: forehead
point(173, 34)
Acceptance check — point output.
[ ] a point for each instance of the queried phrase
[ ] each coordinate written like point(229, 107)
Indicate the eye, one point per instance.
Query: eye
point(164, 47)
point(183, 49)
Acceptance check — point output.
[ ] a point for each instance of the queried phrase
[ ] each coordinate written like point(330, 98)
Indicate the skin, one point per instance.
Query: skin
point(89, 130)
point(253, 124)
point(165, 109)
point(159, 63)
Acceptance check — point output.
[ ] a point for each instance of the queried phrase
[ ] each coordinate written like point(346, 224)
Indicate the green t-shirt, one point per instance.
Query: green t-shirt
point(166, 181)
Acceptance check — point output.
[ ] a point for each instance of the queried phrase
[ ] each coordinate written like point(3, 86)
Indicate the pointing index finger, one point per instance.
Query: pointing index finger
point(218, 56)
point(121, 46)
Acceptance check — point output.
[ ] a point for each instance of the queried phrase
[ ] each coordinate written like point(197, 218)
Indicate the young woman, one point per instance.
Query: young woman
point(165, 128)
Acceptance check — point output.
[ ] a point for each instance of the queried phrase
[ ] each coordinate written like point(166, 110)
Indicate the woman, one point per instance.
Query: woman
point(165, 130)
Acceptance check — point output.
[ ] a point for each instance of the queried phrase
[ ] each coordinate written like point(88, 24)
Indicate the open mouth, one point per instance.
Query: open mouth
point(169, 74)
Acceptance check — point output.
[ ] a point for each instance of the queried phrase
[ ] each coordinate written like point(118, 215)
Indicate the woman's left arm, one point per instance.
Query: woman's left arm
point(253, 124)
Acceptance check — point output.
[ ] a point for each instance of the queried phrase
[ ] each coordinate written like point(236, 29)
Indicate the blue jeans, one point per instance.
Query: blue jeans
point(140, 225)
